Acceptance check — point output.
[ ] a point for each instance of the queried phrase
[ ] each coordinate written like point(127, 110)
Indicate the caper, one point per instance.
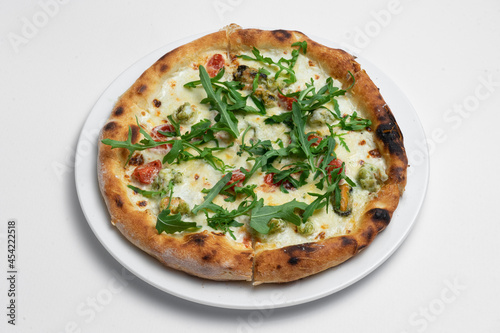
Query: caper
point(370, 177)
point(184, 113)
point(177, 205)
point(306, 228)
point(276, 225)
point(268, 98)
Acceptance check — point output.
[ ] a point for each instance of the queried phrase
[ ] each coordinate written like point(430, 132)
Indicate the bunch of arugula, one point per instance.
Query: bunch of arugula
point(200, 134)
point(282, 65)
point(225, 98)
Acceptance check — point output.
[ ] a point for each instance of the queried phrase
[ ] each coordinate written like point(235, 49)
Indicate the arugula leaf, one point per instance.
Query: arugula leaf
point(261, 215)
point(197, 131)
point(148, 194)
point(324, 165)
point(174, 152)
point(283, 64)
point(353, 123)
point(213, 193)
point(284, 175)
point(320, 201)
point(222, 219)
point(170, 224)
point(145, 143)
point(302, 46)
point(299, 134)
point(285, 117)
point(214, 98)
point(255, 83)
point(232, 191)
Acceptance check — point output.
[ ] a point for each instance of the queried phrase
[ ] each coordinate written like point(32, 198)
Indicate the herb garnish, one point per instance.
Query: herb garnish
point(283, 64)
point(145, 143)
point(171, 223)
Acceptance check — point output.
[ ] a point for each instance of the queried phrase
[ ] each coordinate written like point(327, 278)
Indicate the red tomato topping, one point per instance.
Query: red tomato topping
point(269, 180)
point(237, 178)
point(286, 102)
point(314, 136)
point(334, 164)
point(158, 137)
point(146, 173)
point(161, 128)
point(214, 64)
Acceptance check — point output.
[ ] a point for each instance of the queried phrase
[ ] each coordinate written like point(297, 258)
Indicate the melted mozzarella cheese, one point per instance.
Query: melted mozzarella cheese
point(198, 175)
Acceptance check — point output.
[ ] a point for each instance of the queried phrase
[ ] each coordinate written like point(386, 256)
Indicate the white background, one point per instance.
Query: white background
point(57, 58)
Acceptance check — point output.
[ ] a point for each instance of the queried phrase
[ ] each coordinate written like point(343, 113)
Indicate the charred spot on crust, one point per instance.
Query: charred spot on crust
point(397, 173)
point(209, 256)
point(380, 216)
point(163, 68)
point(293, 261)
point(278, 267)
point(118, 201)
point(135, 133)
point(198, 239)
point(142, 88)
point(281, 35)
point(118, 111)
point(142, 203)
point(390, 135)
point(110, 126)
point(304, 248)
point(348, 241)
point(368, 234)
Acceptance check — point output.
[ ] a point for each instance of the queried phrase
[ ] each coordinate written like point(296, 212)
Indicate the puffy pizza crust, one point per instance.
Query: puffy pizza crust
point(211, 255)
point(207, 254)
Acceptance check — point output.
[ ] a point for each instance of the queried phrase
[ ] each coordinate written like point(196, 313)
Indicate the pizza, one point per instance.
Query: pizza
point(252, 155)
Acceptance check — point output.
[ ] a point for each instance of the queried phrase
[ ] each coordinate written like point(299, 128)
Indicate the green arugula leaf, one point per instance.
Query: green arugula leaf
point(261, 215)
point(170, 224)
point(285, 117)
point(213, 193)
point(214, 98)
point(176, 125)
point(174, 152)
point(145, 143)
point(299, 134)
point(222, 219)
point(283, 65)
point(353, 123)
point(302, 46)
point(148, 194)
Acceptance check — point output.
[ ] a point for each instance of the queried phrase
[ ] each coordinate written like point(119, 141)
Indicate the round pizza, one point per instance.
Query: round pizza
point(252, 155)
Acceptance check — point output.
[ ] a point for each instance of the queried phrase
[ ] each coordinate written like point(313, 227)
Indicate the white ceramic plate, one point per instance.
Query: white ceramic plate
point(239, 295)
